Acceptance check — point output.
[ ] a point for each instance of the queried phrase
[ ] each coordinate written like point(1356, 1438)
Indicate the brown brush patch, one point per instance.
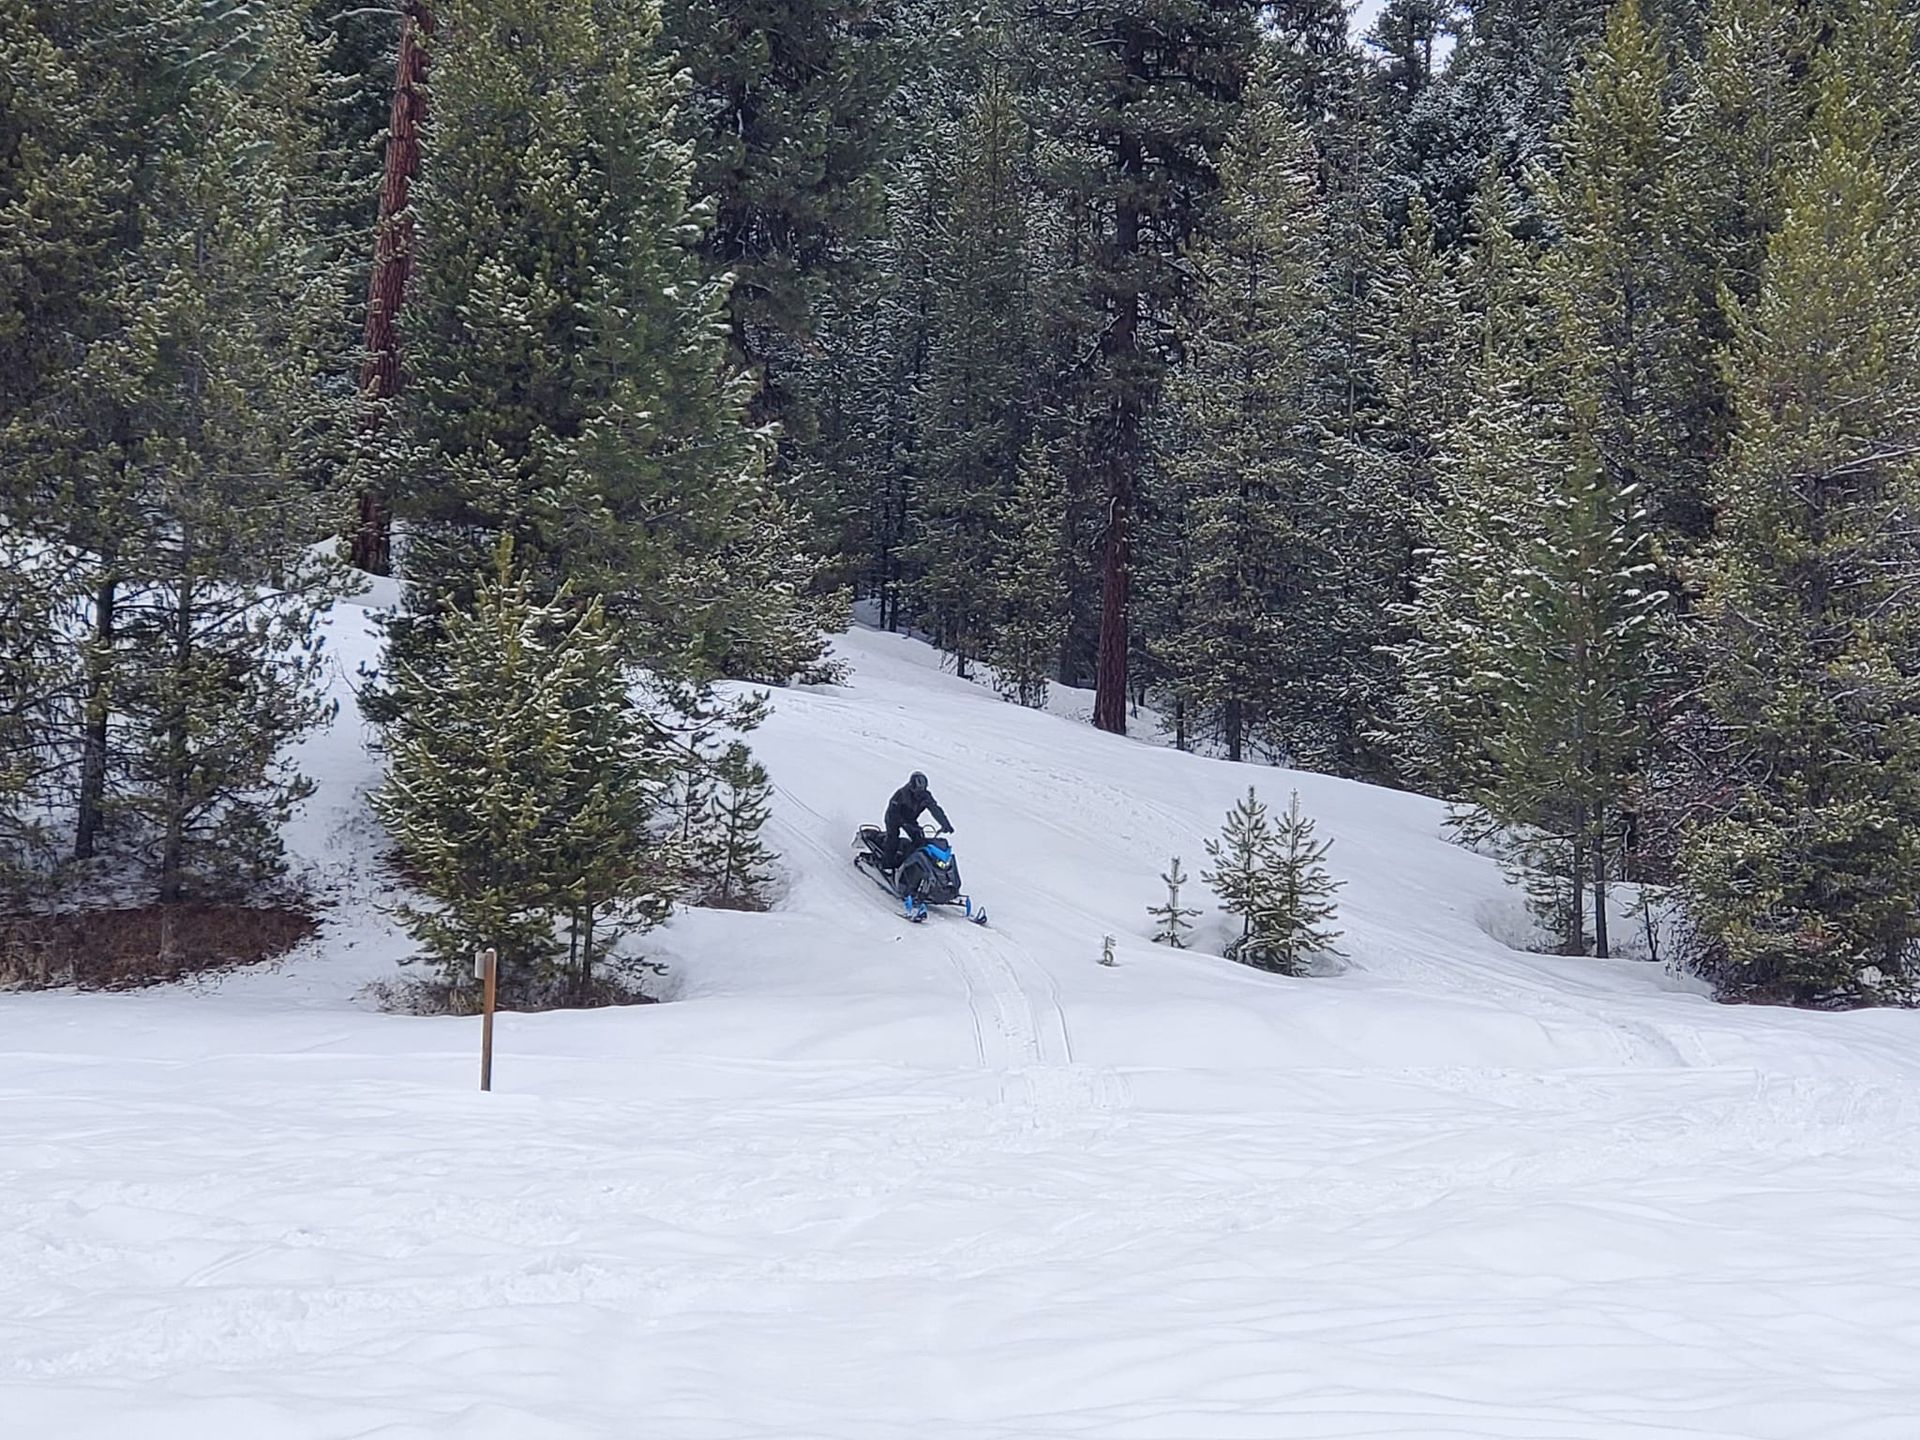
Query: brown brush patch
point(122, 949)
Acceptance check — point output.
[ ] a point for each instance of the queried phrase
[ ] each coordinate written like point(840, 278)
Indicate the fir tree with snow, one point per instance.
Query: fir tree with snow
point(1290, 921)
point(1030, 583)
point(568, 382)
point(521, 788)
point(736, 863)
point(1240, 442)
point(1802, 882)
point(973, 402)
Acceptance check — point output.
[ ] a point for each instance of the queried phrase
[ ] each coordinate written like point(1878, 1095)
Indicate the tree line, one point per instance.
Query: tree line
point(1516, 402)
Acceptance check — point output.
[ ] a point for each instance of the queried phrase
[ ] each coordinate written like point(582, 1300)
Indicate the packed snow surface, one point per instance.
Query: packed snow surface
point(866, 1180)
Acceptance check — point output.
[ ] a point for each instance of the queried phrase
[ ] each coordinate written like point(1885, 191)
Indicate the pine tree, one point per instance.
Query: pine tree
point(1240, 857)
point(1176, 920)
point(1241, 442)
point(1749, 109)
point(1137, 100)
point(790, 120)
point(1536, 624)
point(738, 862)
point(96, 98)
point(1029, 583)
point(177, 414)
point(568, 385)
point(973, 401)
point(1631, 280)
point(1288, 925)
point(1275, 880)
point(520, 789)
point(1804, 883)
point(32, 672)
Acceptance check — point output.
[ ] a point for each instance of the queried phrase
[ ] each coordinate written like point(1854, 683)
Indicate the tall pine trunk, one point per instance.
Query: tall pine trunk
point(179, 778)
point(392, 265)
point(1602, 944)
point(1576, 937)
point(99, 708)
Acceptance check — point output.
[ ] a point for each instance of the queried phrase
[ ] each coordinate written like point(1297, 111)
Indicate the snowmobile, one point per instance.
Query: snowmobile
point(928, 876)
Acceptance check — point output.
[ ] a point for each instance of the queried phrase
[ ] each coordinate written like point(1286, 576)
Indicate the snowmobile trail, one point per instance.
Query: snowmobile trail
point(1022, 1020)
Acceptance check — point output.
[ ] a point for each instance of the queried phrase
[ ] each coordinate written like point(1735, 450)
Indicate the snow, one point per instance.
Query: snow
point(861, 1180)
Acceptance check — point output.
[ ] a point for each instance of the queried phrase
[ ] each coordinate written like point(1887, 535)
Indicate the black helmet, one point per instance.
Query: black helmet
point(917, 782)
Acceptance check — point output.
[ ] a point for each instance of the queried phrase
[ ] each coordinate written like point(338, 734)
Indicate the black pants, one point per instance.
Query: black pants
point(900, 842)
point(903, 833)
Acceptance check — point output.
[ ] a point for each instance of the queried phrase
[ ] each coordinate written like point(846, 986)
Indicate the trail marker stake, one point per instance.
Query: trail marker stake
point(486, 968)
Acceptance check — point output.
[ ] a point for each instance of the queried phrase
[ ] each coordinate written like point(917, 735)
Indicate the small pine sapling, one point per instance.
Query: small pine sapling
point(1176, 920)
point(1240, 858)
point(1291, 920)
point(741, 805)
point(1276, 881)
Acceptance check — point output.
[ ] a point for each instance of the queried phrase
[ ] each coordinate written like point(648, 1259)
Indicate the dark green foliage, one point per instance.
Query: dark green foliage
point(176, 388)
point(568, 383)
point(789, 119)
point(1802, 883)
point(520, 792)
point(1136, 100)
point(1273, 878)
point(973, 415)
point(1241, 434)
point(734, 863)
point(1029, 584)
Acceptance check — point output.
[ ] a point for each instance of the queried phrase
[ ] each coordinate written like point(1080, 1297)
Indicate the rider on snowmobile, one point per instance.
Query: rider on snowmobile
point(903, 817)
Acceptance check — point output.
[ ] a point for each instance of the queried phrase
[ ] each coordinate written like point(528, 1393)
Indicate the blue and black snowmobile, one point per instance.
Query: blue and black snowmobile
point(928, 876)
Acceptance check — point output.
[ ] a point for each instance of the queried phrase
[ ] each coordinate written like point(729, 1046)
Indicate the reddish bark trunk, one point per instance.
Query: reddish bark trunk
point(392, 265)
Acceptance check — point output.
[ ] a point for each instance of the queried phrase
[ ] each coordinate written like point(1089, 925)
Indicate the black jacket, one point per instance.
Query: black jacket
point(903, 811)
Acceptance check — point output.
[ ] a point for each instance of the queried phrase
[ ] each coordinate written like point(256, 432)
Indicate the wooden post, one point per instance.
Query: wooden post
point(486, 968)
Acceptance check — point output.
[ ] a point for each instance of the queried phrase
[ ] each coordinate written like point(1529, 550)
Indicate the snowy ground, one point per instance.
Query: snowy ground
point(870, 1181)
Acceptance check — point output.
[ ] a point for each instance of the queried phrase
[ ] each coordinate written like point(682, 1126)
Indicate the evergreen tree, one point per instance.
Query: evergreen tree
point(1803, 884)
point(568, 383)
point(1240, 857)
point(1242, 443)
point(972, 399)
point(1415, 336)
point(1288, 925)
point(1534, 627)
point(176, 407)
point(736, 862)
point(1749, 109)
point(1275, 881)
point(1176, 920)
point(790, 119)
point(1631, 280)
point(1504, 93)
point(1030, 587)
point(1137, 99)
point(520, 789)
point(95, 99)
point(32, 673)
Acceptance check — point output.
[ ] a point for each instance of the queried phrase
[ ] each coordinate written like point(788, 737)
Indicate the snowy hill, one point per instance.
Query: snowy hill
point(869, 1180)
